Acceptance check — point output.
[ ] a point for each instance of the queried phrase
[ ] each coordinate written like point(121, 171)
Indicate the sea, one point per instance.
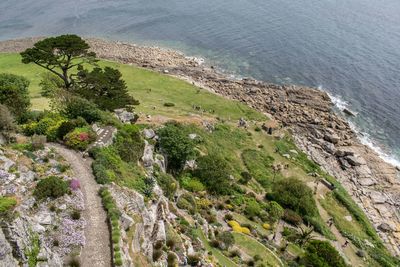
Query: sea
point(349, 48)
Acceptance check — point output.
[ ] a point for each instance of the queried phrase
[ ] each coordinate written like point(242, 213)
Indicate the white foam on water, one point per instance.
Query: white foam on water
point(363, 137)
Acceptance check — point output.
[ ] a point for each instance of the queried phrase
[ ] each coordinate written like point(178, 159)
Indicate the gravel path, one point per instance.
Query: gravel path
point(96, 251)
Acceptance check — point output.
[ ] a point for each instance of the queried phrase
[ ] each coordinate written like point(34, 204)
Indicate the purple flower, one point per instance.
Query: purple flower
point(75, 184)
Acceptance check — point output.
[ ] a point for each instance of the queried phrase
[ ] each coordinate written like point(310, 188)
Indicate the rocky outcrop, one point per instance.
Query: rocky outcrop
point(6, 256)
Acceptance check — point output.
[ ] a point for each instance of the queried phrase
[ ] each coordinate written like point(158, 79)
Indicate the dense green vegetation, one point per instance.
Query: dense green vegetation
point(253, 179)
point(6, 204)
point(52, 187)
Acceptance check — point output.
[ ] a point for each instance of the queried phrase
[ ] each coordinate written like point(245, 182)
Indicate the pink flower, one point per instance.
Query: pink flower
point(75, 184)
point(83, 136)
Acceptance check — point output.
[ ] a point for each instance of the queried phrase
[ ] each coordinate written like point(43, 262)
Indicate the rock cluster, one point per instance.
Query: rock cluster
point(48, 222)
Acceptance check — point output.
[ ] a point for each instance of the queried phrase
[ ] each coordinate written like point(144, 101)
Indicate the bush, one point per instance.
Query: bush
point(213, 171)
point(293, 194)
point(157, 254)
point(322, 254)
point(7, 204)
point(246, 177)
point(171, 259)
point(252, 209)
point(50, 84)
point(80, 138)
point(76, 215)
point(175, 142)
point(275, 211)
point(129, 143)
point(169, 104)
point(237, 228)
point(168, 184)
point(292, 217)
point(226, 239)
point(52, 187)
point(75, 107)
point(14, 94)
point(48, 126)
point(187, 202)
point(7, 122)
point(193, 259)
point(192, 184)
point(68, 126)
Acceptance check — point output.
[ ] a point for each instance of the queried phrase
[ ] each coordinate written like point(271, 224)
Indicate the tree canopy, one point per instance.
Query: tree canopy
point(59, 55)
point(14, 94)
point(104, 87)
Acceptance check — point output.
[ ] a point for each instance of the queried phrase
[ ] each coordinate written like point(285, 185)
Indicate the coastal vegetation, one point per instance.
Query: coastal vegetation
point(238, 186)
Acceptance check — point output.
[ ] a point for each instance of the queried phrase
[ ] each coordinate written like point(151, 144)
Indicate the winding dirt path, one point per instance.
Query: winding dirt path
point(96, 252)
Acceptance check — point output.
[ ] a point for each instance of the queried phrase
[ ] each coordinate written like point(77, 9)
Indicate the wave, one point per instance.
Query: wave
point(362, 136)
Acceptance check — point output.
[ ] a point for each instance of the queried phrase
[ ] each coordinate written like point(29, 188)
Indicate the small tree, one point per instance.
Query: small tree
point(59, 55)
point(275, 211)
point(14, 94)
point(226, 239)
point(213, 171)
point(105, 87)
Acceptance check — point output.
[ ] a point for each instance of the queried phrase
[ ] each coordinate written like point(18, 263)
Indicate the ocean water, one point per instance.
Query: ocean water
point(350, 48)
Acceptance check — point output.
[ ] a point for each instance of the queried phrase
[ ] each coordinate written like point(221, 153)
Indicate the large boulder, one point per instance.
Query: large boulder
point(6, 257)
point(356, 160)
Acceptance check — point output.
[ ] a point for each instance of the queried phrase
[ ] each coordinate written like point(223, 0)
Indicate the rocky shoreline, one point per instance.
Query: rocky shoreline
point(323, 135)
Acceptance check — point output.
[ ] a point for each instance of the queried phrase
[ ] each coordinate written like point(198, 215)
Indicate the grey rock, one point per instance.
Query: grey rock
point(38, 228)
point(149, 133)
point(6, 257)
point(148, 155)
point(343, 153)
point(44, 218)
point(126, 221)
point(329, 147)
point(356, 161)
point(377, 197)
point(385, 227)
point(332, 138)
point(366, 181)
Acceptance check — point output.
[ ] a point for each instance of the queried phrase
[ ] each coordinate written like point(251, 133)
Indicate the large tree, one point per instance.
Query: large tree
point(104, 87)
point(59, 55)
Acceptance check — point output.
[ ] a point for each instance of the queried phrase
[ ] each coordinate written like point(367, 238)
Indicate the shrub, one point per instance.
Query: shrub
point(292, 217)
point(252, 209)
point(179, 148)
point(14, 94)
point(237, 228)
point(75, 107)
point(293, 194)
point(80, 138)
point(6, 204)
point(321, 254)
point(246, 177)
point(168, 184)
point(48, 126)
point(76, 215)
point(129, 143)
point(7, 122)
point(213, 171)
point(275, 211)
point(157, 254)
point(56, 243)
point(169, 104)
point(193, 259)
point(187, 202)
point(226, 239)
point(74, 262)
point(192, 184)
point(52, 187)
point(266, 226)
point(68, 126)
point(171, 259)
point(228, 217)
point(170, 243)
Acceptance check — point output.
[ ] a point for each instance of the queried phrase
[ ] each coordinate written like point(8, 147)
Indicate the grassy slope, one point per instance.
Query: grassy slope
point(154, 89)
point(150, 88)
point(252, 248)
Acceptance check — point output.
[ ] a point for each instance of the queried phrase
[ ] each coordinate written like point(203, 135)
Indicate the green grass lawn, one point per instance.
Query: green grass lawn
point(251, 247)
point(152, 89)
